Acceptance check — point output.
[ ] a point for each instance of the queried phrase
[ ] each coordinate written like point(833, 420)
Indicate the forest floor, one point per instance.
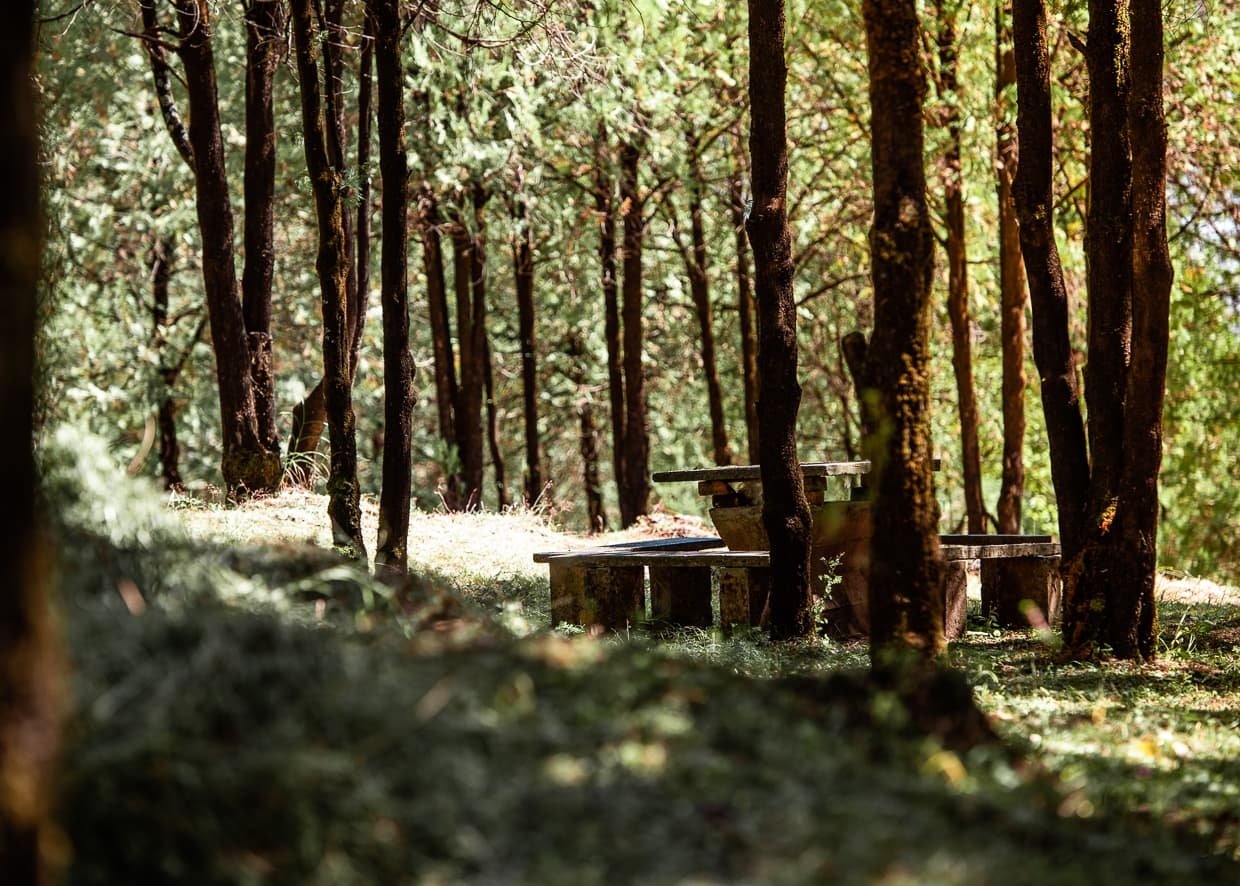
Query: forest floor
point(252, 709)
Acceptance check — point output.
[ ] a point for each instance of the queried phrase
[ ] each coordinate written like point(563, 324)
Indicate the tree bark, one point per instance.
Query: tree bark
point(587, 439)
point(332, 264)
point(958, 272)
point(30, 690)
point(1011, 283)
point(265, 20)
point(906, 569)
point(635, 490)
point(1035, 202)
point(1133, 624)
point(523, 273)
point(384, 21)
point(162, 256)
point(247, 463)
point(785, 511)
point(468, 409)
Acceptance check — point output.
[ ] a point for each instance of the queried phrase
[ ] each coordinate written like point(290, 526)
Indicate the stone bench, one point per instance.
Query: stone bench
point(603, 588)
point(1017, 571)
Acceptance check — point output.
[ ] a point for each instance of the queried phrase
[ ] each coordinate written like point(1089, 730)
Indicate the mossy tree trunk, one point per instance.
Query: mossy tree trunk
point(958, 267)
point(1035, 202)
point(333, 267)
point(251, 457)
point(785, 511)
point(906, 570)
point(265, 23)
point(29, 667)
point(1012, 289)
point(386, 24)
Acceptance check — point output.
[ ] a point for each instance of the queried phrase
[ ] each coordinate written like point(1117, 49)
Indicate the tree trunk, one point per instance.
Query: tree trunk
point(446, 391)
point(162, 256)
point(785, 511)
point(635, 491)
point(958, 273)
point(332, 264)
point(265, 20)
point(310, 416)
point(906, 569)
point(384, 21)
point(603, 204)
point(365, 116)
point(1035, 202)
point(696, 263)
point(523, 273)
point(745, 307)
point(247, 463)
point(587, 439)
point(470, 336)
point(1133, 623)
point(1088, 583)
point(30, 691)
point(1012, 283)
point(497, 453)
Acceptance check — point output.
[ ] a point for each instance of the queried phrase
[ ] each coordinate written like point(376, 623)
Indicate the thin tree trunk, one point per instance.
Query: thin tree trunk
point(1012, 283)
point(468, 410)
point(699, 288)
point(635, 492)
point(497, 454)
point(957, 274)
point(162, 257)
point(384, 21)
point(587, 439)
point(310, 416)
point(523, 273)
point(785, 511)
point(746, 308)
point(1133, 628)
point(603, 204)
point(265, 20)
point(246, 463)
point(332, 265)
point(365, 115)
point(30, 690)
point(906, 569)
point(1035, 202)
point(446, 392)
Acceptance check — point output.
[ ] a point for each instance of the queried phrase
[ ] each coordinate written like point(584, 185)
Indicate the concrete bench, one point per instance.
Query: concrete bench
point(1016, 571)
point(603, 588)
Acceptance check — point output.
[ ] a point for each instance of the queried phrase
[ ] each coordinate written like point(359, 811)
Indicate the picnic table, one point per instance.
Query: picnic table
point(840, 529)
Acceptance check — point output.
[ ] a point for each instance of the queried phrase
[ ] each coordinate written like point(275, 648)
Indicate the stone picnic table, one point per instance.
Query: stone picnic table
point(840, 531)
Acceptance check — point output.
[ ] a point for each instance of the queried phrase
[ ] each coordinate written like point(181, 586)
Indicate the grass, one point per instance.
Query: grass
point(272, 716)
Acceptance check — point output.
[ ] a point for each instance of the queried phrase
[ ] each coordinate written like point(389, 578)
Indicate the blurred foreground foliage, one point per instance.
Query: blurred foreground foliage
point(233, 724)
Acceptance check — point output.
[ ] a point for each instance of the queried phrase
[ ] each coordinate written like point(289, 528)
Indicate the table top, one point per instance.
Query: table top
point(749, 473)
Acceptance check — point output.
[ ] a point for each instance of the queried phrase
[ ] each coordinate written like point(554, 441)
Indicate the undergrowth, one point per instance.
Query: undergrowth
point(270, 714)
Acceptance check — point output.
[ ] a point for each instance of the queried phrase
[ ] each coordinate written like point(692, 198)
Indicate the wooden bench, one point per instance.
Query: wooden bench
point(603, 588)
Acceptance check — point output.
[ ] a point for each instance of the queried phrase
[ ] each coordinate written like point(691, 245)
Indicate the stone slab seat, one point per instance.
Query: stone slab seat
point(1019, 577)
point(603, 588)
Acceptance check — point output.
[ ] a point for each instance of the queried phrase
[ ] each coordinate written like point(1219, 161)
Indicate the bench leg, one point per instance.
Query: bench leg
point(733, 599)
point(568, 594)
point(615, 597)
point(1008, 583)
point(956, 603)
point(680, 596)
